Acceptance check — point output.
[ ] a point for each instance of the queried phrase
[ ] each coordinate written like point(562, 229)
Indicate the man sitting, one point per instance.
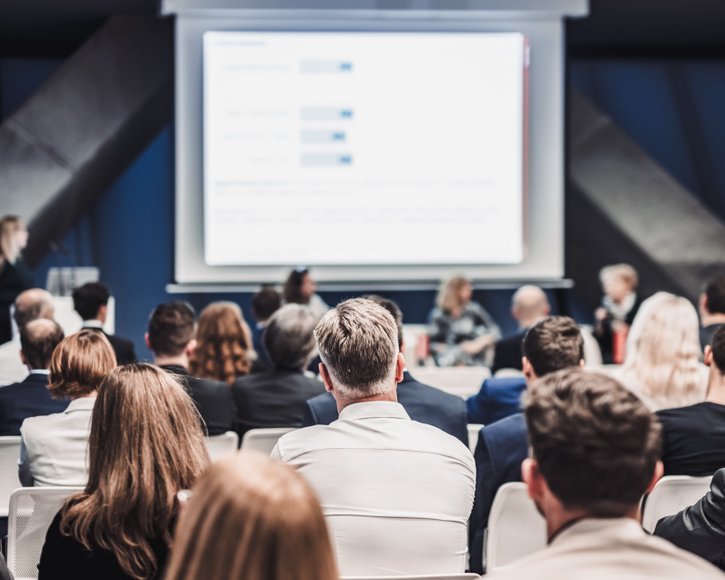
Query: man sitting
point(595, 450)
point(423, 403)
point(31, 398)
point(396, 493)
point(712, 309)
point(91, 303)
point(552, 344)
point(694, 436)
point(170, 337)
point(278, 397)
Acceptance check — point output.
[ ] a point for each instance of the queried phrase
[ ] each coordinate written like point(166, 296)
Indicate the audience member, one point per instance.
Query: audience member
point(29, 305)
point(170, 338)
point(223, 344)
point(550, 345)
point(694, 436)
point(366, 467)
point(422, 403)
point(617, 311)
point(712, 309)
point(145, 446)
point(91, 303)
point(301, 288)
point(15, 277)
point(53, 447)
point(594, 453)
point(662, 364)
point(251, 518)
point(264, 304)
point(31, 397)
point(528, 305)
point(278, 397)
point(461, 332)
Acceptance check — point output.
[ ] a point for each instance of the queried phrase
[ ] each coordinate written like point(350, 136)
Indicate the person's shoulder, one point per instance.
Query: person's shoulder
point(304, 440)
point(422, 390)
point(511, 426)
point(208, 385)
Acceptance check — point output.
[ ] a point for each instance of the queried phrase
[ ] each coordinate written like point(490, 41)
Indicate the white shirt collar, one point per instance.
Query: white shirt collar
point(374, 409)
point(39, 372)
point(93, 323)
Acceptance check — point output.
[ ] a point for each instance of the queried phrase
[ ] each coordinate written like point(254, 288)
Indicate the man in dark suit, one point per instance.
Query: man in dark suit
point(528, 305)
point(277, 397)
point(552, 344)
point(91, 302)
point(170, 337)
point(31, 398)
point(264, 304)
point(423, 403)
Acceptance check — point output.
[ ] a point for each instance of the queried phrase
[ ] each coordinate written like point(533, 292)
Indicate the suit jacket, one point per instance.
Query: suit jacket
point(700, 528)
point(29, 398)
point(498, 398)
point(124, 349)
point(275, 398)
point(607, 549)
point(213, 400)
point(501, 448)
point(423, 403)
point(507, 352)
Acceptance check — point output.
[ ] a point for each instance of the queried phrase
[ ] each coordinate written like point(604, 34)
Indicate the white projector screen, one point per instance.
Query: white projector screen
point(363, 148)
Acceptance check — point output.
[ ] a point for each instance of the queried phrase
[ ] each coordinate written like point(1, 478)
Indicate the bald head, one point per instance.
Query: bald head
point(38, 339)
point(529, 305)
point(32, 305)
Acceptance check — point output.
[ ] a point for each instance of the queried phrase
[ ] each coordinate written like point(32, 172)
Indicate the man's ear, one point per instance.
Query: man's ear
point(23, 359)
point(102, 311)
point(531, 476)
point(528, 370)
point(707, 357)
point(702, 304)
point(399, 367)
point(656, 476)
point(190, 348)
point(147, 341)
point(326, 379)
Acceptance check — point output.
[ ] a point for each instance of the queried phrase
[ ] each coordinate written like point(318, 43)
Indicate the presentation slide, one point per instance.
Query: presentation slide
point(363, 148)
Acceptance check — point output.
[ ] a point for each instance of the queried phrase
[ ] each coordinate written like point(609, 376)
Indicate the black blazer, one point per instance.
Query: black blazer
point(423, 403)
point(30, 398)
point(124, 349)
point(508, 353)
point(213, 399)
point(276, 398)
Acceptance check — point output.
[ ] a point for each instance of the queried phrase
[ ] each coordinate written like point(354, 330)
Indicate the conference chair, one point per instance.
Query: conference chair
point(9, 482)
point(461, 381)
point(32, 510)
point(263, 440)
point(515, 527)
point(222, 445)
point(473, 431)
point(671, 495)
point(462, 576)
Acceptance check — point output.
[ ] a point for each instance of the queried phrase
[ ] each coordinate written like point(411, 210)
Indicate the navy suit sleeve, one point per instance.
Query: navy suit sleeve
point(308, 418)
point(487, 483)
point(475, 405)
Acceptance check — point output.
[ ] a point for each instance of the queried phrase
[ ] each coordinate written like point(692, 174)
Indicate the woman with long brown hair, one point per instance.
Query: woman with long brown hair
point(146, 445)
point(252, 518)
point(224, 349)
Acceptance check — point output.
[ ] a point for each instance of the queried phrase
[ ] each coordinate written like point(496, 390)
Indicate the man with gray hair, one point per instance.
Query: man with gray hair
point(278, 397)
point(396, 493)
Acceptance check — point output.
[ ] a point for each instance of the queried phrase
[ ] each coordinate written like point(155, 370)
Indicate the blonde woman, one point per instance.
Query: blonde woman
point(252, 518)
point(146, 445)
point(224, 348)
point(461, 332)
point(662, 362)
point(15, 277)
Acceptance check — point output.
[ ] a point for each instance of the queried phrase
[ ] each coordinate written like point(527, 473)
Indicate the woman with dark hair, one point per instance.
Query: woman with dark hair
point(301, 288)
point(146, 445)
point(15, 277)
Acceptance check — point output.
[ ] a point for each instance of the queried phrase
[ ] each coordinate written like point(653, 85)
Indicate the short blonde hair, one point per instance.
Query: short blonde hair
point(252, 518)
point(79, 363)
point(358, 343)
point(449, 294)
point(623, 271)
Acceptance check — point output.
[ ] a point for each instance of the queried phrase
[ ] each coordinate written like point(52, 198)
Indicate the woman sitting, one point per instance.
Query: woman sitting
point(252, 518)
point(146, 445)
point(53, 447)
point(461, 332)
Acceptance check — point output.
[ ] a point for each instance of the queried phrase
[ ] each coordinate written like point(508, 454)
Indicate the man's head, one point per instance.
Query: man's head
point(358, 345)
point(595, 447)
point(529, 305)
point(32, 305)
point(91, 300)
point(550, 345)
point(38, 339)
point(715, 359)
point(171, 329)
point(289, 337)
point(712, 300)
point(265, 303)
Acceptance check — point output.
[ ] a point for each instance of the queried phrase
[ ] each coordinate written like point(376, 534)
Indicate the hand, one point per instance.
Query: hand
point(601, 314)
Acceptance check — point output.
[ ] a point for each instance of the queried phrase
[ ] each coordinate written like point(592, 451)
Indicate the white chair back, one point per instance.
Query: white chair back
point(462, 576)
point(461, 381)
point(263, 440)
point(473, 430)
point(32, 509)
point(9, 482)
point(508, 373)
point(515, 527)
point(670, 495)
point(222, 445)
